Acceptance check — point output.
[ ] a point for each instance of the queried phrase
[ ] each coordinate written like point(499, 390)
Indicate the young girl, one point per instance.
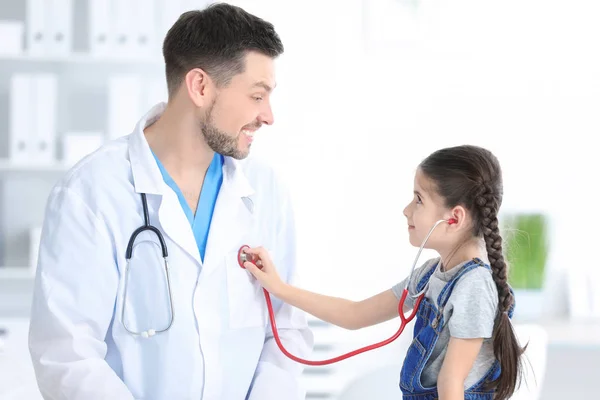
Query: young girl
point(464, 346)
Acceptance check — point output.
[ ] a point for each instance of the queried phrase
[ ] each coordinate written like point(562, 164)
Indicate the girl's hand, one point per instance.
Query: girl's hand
point(267, 273)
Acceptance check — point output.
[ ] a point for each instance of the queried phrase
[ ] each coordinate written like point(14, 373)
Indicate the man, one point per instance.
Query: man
point(110, 318)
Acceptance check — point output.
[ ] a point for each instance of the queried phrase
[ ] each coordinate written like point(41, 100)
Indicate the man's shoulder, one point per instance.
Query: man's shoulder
point(99, 169)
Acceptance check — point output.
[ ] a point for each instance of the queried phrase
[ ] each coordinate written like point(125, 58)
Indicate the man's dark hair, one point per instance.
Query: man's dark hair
point(216, 39)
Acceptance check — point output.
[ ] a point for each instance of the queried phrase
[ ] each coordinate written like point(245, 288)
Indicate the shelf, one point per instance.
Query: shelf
point(81, 58)
point(9, 166)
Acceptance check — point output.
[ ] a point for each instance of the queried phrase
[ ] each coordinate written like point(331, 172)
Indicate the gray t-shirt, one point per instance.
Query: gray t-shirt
point(469, 313)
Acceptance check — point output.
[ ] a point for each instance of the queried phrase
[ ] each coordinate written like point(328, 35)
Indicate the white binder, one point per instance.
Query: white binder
point(100, 35)
point(36, 27)
point(59, 20)
point(20, 117)
point(145, 38)
point(12, 33)
point(124, 21)
point(43, 137)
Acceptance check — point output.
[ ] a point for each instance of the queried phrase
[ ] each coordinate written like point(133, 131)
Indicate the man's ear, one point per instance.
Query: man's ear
point(199, 87)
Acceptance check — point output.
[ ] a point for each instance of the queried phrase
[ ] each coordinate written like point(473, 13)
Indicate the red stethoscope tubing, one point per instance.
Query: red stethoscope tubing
point(405, 321)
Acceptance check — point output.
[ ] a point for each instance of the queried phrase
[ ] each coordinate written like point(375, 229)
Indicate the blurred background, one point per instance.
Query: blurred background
point(369, 88)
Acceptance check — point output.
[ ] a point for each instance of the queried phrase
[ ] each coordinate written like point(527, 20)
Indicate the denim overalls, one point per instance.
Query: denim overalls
point(429, 324)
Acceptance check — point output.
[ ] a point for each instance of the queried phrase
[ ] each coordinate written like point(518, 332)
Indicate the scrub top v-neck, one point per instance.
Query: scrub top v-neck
point(200, 222)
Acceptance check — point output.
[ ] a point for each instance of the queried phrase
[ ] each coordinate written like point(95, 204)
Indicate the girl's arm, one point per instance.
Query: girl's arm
point(459, 359)
point(341, 312)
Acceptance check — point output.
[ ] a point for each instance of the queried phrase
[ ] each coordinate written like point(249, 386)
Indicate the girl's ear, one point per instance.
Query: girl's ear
point(457, 217)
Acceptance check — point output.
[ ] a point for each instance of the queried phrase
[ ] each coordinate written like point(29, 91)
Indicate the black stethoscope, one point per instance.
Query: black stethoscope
point(147, 227)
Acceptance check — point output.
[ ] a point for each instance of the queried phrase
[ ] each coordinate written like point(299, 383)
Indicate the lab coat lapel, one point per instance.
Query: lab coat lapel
point(232, 218)
point(148, 179)
point(176, 225)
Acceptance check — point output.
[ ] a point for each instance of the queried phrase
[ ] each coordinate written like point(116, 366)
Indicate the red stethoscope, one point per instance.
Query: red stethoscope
point(245, 257)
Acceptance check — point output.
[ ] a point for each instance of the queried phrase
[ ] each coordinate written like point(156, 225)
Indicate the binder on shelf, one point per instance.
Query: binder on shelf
point(49, 27)
point(32, 118)
point(36, 27)
point(20, 121)
point(43, 136)
point(145, 41)
point(11, 33)
point(124, 22)
point(100, 35)
point(60, 27)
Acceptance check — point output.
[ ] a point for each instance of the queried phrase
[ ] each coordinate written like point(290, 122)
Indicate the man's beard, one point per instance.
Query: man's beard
point(219, 141)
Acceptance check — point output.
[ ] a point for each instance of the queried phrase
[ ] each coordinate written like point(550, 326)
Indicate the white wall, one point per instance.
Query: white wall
point(518, 77)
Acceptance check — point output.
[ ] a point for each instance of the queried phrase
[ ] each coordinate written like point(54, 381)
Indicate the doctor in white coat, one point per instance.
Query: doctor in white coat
point(103, 327)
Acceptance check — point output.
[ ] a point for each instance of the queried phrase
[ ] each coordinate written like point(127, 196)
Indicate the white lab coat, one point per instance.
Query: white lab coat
point(220, 346)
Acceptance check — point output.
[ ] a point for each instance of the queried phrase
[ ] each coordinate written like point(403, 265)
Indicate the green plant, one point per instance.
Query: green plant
point(526, 237)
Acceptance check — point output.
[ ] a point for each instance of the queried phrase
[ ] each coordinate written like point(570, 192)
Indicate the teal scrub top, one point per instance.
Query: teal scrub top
point(200, 222)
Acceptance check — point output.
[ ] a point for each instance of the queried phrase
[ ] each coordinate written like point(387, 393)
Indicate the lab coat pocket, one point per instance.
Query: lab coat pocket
point(247, 306)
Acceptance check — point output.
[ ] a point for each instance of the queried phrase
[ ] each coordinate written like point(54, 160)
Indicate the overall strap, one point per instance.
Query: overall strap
point(425, 278)
point(447, 290)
